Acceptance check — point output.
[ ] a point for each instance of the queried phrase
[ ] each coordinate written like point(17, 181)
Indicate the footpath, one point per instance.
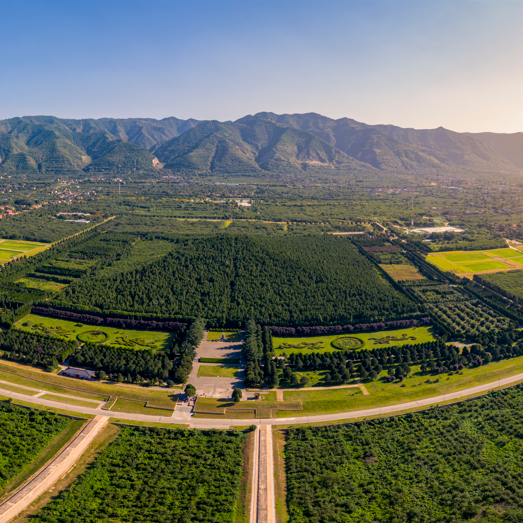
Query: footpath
point(52, 472)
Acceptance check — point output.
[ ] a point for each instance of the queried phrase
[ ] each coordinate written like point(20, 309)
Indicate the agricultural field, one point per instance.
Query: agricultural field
point(473, 262)
point(69, 330)
point(367, 340)
point(24, 435)
point(157, 475)
point(10, 249)
point(454, 464)
point(510, 281)
point(402, 272)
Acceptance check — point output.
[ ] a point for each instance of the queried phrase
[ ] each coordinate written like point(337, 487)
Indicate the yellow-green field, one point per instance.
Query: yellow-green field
point(10, 249)
point(473, 262)
point(131, 339)
point(371, 340)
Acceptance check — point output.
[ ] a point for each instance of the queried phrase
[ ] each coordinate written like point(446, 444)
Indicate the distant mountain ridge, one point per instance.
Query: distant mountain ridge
point(263, 144)
point(392, 147)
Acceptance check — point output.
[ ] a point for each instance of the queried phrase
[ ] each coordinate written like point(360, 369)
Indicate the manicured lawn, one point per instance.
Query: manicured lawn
point(220, 360)
point(229, 336)
point(485, 266)
point(84, 389)
point(133, 339)
point(40, 284)
point(37, 384)
point(217, 371)
point(316, 379)
point(415, 388)
point(14, 388)
point(122, 405)
point(69, 401)
point(402, 272)
point(370, 339)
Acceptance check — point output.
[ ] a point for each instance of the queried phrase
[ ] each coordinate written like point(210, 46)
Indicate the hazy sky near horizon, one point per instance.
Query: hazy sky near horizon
point(420, 63)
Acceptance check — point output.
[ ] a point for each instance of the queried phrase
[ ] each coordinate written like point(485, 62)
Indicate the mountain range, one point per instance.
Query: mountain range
point(264, 144)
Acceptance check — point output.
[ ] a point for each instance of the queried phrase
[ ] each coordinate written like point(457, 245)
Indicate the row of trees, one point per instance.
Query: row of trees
point(35, 349)
point(118, 323)
point(325, 330)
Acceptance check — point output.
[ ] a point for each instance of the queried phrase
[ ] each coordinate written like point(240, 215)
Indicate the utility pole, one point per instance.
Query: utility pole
point(413, 211)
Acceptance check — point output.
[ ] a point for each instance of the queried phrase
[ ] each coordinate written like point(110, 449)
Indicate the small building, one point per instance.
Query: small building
point(80, 374)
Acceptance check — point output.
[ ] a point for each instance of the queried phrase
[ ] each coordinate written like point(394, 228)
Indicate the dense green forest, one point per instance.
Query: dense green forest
point(24, 433)
point(156, 475)
point(446, 465)
point(41, 225)
point(305, 280)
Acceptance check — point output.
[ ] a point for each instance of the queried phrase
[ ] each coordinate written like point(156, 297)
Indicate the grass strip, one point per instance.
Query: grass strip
point(100, 391)
point(217, 371)
point(69, 401)
point(131, 407)
point(243, 512)
point(280, 478)
point(220, 360)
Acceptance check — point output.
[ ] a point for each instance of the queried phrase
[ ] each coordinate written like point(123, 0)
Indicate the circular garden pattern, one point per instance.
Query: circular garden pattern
point(347, 342)
point(92, 336)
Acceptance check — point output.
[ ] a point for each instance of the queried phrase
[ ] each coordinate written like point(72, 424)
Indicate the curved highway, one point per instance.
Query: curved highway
point(180, 417)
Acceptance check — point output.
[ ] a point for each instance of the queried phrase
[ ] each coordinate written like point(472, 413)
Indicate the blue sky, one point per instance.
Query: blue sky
point(418, 63)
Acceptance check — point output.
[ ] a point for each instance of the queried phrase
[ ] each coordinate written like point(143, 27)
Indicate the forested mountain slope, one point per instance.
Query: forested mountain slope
point(28, 147)
point(251, 145)
point(391, 147)
point(264, 144)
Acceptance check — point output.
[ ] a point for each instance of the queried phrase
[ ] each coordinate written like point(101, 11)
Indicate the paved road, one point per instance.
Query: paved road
point(181, 417)
point(52, 472)
point(263, 509)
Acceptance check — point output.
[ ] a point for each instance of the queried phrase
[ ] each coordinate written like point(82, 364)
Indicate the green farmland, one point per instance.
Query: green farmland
point(10, 249)
point(463, 262)
point(370, 340)
point(132, 339)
